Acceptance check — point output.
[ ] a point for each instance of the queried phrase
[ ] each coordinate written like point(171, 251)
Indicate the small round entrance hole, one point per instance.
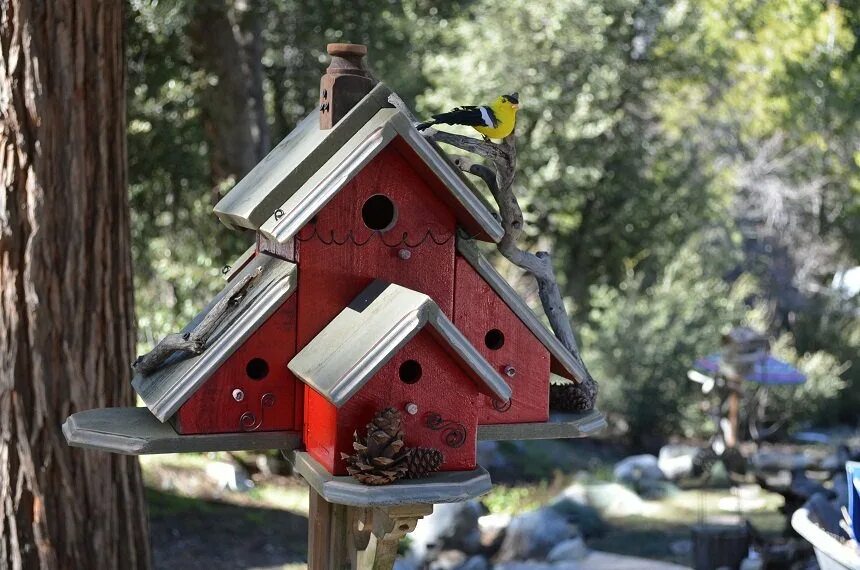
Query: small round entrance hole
point(379, 213)
point(257, 369)
point(494, 339)
point(410, 371)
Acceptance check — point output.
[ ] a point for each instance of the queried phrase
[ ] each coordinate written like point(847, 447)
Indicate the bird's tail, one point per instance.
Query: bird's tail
point(425, 124)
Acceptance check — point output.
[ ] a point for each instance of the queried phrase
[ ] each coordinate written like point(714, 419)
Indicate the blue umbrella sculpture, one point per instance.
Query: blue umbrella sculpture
point(768, 370)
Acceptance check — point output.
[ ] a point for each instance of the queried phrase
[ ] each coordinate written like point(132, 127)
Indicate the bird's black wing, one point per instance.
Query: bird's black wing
point(470, 116)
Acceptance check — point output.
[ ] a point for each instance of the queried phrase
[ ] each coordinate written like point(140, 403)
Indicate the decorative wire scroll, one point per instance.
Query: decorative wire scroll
point(249, 421)
point(453, 433)
point(501, 406)
point(350, 237)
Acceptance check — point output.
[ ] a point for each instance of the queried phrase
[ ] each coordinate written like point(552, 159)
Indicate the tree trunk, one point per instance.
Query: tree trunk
point(227, 45)
point(66, 312)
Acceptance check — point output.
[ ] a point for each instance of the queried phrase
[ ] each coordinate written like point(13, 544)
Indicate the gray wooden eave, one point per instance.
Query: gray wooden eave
point(559, 426)
point(352, 348)
point(135, 431)
point(441, 487)
point(303, 173)
point(166, 389)
point(301, 153)
point(469, 250)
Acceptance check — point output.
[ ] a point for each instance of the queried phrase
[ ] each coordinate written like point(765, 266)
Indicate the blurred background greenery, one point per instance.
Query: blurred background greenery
point(692, 164)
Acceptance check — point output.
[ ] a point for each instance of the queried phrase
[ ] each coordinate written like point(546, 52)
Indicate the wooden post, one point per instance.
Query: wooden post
point(356, 538)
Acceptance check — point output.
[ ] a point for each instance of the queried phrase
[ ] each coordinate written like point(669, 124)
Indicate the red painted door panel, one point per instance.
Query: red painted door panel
point(502, 338)
point(259, 369)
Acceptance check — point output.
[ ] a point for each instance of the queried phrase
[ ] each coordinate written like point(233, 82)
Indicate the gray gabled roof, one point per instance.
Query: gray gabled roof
point(166, 389)
point(563, 361)
point(310, 166)
point(357, 343)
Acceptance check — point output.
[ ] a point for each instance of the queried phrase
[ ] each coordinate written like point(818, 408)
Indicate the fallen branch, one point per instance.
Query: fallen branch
point(194, 341)
point(500, 181)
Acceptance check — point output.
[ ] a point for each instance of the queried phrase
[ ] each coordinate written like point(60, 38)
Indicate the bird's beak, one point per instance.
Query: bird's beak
point(515, 106)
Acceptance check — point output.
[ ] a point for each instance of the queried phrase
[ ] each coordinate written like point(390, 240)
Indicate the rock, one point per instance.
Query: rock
point(539, 566)
point(407, 563)
point(476, 563)
point(636, 468)
point(676, 461)
point(571, 504)
point(447, 560)
point(493, 528)
point(614, 500)
point(532, 535)
point(228, 476)
point(452, 526)
point(571, 549)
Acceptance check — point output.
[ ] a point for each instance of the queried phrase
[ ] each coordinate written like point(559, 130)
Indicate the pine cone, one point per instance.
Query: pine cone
point(381, 457)
point(423, 461)
point(572, 396)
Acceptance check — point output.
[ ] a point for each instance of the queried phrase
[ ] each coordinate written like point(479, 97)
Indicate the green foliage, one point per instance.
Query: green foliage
point(643, 338)
point(813, 400)
point(599, 176)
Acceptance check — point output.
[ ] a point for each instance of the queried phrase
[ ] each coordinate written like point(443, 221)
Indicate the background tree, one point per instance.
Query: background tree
point(67, 321)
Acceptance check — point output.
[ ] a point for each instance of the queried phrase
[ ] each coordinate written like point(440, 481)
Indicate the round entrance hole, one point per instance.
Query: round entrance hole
point(379, 213)
point(257, 369)
point(494, 339)
point(410, 371)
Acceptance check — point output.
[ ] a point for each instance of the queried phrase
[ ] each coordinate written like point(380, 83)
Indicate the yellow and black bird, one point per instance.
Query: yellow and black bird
point(494, 121)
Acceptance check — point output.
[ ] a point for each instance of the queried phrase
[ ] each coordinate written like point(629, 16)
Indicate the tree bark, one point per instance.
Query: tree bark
point(228, 45)
point(66, 311)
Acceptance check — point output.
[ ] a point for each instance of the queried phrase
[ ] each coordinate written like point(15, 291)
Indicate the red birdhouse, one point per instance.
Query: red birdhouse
point(366, 289)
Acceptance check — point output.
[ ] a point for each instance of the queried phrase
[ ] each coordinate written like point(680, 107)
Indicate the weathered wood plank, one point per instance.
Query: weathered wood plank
point(559, 426)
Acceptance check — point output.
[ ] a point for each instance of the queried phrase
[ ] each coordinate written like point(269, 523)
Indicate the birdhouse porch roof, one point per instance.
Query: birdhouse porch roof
point(167, 388)
point(354, 346)
point(311, 165)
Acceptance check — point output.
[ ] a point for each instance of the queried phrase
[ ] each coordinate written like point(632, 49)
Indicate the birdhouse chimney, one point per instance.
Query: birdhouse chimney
point(345, 83)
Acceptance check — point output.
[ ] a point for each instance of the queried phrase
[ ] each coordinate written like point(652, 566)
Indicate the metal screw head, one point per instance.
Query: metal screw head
point(411, 408)
point(510, 371)
point(404, 254)
point(238, 395)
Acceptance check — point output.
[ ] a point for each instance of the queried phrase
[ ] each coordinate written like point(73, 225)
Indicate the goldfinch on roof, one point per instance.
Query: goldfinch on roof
point(495, 121)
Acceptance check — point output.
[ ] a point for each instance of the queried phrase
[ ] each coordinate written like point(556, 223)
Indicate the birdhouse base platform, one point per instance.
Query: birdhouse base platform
point(442, 487)
point(135, 431)
point(559, 426)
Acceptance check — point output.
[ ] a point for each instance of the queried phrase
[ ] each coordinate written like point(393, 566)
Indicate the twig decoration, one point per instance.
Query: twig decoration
point(194, 341)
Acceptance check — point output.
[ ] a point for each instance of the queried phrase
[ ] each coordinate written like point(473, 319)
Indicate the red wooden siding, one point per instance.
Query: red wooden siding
point(339, 255)
point(212, 409)
point(478, 310)
point(444, 388)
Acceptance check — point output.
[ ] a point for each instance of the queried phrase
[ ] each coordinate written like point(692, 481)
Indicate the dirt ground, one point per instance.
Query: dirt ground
point(195, 533)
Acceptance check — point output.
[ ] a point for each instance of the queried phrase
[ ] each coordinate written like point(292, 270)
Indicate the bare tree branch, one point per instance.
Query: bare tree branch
point(194, 341)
